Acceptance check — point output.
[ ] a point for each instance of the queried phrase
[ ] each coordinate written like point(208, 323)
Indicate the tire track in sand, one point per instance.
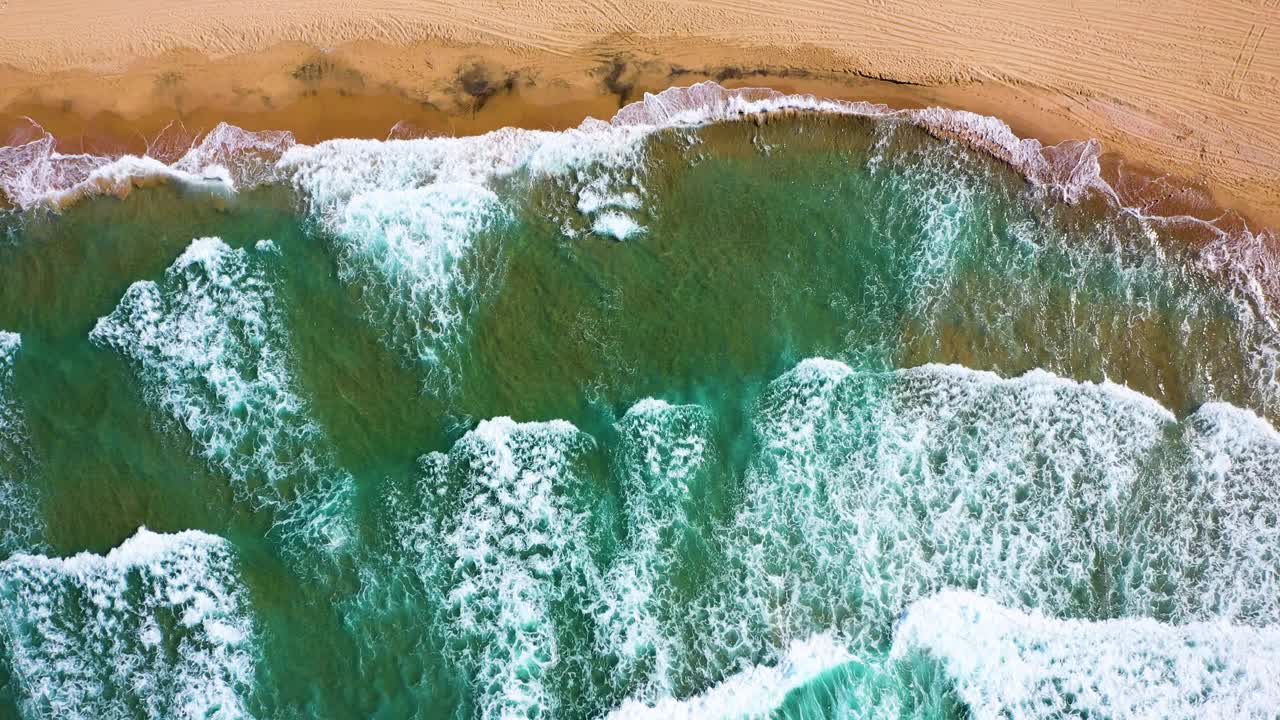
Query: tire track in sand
point(1249, 50)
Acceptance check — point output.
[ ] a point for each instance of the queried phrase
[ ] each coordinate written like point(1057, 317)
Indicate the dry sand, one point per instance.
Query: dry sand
point(1183, 86)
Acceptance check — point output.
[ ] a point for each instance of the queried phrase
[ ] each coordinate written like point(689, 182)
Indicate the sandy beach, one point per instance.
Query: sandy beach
point(1187, 88)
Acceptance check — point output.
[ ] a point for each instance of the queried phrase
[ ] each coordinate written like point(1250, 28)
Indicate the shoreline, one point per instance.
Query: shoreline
point(368, 89)
point(1188, 89)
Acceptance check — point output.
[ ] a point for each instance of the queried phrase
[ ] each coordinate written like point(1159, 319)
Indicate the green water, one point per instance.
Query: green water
point(684, 495)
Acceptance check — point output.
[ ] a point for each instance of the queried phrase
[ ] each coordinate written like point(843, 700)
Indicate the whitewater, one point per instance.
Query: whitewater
point(738, 405)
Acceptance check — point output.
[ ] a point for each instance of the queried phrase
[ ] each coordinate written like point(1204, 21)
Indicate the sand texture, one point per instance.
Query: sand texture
point(1185, 86)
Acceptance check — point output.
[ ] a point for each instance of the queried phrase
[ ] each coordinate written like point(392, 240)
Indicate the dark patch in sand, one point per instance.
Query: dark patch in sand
point(169, 85)
point(168, 80)
point(479, 83)
point(323, 71)
point(885, 78)
point(733, 72)
point(619, 79)
point(309, 72)
point(736, 72)
point(729, 73)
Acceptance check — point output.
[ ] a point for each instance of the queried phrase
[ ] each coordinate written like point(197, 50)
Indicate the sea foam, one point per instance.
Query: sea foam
point(404, 215)
point(409, 248)
point(869, 491)
point(512, 519)
point(662, 464)
point(157, 628)
point(21, 526)
point(753, 693)
point(1217, 521)
point(616, 225)
point(36, 173)
point(224, 160)
point(331, 176)
point(874, 489)
point(1006, 663)
point(212, 355)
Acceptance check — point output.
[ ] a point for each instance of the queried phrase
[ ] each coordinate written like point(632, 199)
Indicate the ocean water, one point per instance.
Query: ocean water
point(739, 406)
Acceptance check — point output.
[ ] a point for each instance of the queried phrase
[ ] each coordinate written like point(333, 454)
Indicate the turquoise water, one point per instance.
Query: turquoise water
point(820, 417)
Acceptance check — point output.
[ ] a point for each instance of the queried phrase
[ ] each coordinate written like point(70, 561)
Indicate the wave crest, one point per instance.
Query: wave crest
point(228, 158)
point(159, 628)
point(1007, 663)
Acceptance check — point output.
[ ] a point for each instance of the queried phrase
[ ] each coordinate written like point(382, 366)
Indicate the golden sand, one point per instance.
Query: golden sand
point(1184, 87)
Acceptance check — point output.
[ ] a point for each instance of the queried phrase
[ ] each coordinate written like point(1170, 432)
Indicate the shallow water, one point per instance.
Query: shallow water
point(816, 417)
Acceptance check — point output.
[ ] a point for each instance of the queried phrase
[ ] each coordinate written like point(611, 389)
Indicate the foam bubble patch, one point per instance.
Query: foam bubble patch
point(616, 225)
point(21, 525)
point(222, 161)
point(157, 628)
point(512, 518)
point(662, 462)
point(1006, 663)
point(1216, 521)
point(212, 355)
point(409, 248)
point(875, 488)
point(752, 693)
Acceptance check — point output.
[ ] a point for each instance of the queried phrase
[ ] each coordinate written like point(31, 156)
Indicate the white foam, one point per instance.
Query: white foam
point(1070, 168)
point(32, 171)
point(512, 520)
point(10, 342)
point(212, 355)
point(242, 158)
point(404, 214)
point(1006, 663)
point(616, 225)
point(609, 209)
point(1218, 522)
point(207, 342)
point(411, 246)
point(752, 693)
point(122, 175)
point(1046, 383)
point(159, 625)
point(21, 524)
point(226, 159)
point(35, 172)
point(333, 173)
point(663, 453)
point(875, 488)
point(872, 491)
point(10, 414)
point(596, 196)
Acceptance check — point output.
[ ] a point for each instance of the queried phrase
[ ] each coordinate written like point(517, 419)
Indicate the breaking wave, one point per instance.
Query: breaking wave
point(226, 159)
point(212, 353)
point(35, 172)
point(1006, 663)
point(157, 628)
point(871, 495)
point(337, 173)
point(21, 526)
point(502, 534)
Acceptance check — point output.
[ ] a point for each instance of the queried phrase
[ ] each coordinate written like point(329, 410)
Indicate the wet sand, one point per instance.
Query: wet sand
point(1200, 102)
